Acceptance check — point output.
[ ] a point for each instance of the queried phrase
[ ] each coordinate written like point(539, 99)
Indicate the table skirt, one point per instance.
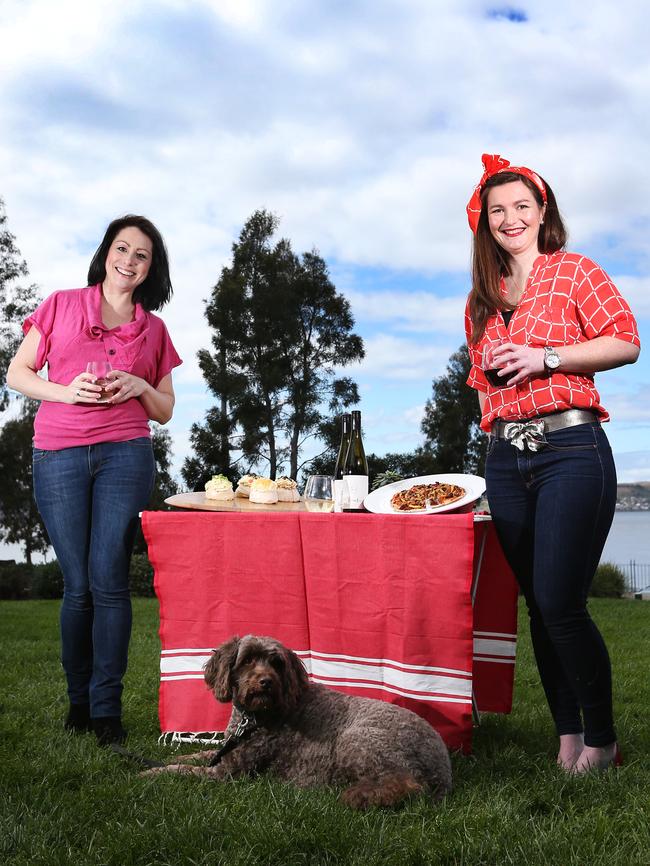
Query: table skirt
point(375, 605)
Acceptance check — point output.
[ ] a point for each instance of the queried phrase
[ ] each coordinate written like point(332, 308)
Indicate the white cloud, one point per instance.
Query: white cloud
point(414, 415)
point(410, 311)
point(632, 405)
point(361, 125)
point(395, 358)
point(636, 291)
point(633, 466)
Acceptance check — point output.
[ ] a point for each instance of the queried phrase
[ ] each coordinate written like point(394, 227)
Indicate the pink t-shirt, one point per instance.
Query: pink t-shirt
point(73, 333)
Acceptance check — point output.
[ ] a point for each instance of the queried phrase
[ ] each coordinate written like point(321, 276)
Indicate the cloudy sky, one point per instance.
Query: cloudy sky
point(361, 124)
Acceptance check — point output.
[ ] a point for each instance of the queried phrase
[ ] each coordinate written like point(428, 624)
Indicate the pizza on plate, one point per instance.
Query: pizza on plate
point(418, 497)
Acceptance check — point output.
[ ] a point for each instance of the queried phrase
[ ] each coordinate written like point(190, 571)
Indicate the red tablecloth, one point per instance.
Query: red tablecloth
point(375, 605)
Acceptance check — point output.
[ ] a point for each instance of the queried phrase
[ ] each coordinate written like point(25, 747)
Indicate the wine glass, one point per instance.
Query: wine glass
point(100, 368)
point(319, 493)
point(490, 370)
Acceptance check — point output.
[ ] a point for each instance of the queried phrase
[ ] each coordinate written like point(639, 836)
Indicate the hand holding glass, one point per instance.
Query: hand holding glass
point(319, 493)
point(489, 368)
point(100, 369)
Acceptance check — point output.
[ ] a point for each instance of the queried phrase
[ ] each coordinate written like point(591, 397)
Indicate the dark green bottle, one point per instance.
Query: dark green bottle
point(355, 468)
point(339, 484)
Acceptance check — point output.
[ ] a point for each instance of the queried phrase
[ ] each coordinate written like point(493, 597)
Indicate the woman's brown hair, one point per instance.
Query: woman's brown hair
point(156, 290)
point(490, 262)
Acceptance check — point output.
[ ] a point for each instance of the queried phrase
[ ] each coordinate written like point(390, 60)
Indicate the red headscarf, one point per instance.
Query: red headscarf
point(495, 164)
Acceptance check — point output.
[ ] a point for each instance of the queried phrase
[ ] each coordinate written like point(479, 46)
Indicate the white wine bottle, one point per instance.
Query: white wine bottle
point(339, 483)
point(355, 468)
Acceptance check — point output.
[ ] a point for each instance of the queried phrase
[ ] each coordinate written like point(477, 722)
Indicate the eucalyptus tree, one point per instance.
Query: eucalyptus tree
point(17, 301)
point(281, 332)
point(451, 423)
point(20, 522)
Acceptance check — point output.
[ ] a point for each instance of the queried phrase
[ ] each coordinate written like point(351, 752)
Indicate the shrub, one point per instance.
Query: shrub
point(47, 580)
point(141, 575)
point(608, 582)
point(15, 580)
point(388, 477)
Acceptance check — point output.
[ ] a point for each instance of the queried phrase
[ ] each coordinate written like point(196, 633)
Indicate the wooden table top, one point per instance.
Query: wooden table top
point(198, 502)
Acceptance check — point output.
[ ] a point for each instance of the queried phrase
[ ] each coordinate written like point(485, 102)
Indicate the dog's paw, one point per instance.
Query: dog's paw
point(197, 758)
point(153, 771)
point(168, 768)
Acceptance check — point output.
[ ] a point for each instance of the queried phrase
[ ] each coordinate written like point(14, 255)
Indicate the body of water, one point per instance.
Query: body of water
point(629, 538)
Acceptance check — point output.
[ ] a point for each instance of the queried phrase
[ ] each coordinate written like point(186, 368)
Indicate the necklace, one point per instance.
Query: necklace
point(515, 296)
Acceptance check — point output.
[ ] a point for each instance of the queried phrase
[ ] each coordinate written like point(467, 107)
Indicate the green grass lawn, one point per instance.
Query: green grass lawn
point(65, 801)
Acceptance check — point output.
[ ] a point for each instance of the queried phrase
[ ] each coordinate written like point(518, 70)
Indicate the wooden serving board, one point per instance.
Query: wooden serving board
point(198, 502)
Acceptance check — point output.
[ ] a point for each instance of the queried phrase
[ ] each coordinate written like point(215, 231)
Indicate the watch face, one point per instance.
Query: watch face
point(552, 359)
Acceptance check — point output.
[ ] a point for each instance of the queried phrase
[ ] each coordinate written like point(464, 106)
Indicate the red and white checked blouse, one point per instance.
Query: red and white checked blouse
point(568, 299)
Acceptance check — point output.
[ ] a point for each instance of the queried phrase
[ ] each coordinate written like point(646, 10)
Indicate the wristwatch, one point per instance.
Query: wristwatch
point(551, 358)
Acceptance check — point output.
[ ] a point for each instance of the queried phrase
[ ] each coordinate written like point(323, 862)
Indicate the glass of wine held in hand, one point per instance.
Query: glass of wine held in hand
point(489, 367)
point(319, 493)
point(100, 369)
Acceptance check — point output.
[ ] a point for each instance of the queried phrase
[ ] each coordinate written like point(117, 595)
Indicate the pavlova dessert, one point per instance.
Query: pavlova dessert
point(219, 488)
point(287, 489)
point(244, 484)
point(263, 491)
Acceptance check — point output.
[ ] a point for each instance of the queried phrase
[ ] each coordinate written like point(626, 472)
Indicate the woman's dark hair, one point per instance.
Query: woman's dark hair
point(490, 262)
point(152, 293)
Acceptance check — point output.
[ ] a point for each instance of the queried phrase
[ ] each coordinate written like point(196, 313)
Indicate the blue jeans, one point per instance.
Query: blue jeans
point(89, 498)
point(552, 511)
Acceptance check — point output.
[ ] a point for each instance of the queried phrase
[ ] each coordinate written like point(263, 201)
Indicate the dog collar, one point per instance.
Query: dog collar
point(245, 727)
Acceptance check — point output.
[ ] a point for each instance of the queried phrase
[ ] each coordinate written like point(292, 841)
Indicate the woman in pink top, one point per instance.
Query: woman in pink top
point(93, 462)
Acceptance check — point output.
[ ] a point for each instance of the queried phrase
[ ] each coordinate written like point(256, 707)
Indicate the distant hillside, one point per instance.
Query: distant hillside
point(633, 497)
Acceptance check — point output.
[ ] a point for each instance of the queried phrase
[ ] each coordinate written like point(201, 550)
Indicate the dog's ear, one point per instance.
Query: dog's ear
point(218, 668)
point(296, 680)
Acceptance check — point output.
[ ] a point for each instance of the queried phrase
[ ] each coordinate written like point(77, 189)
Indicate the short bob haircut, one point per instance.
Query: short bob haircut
point(490, 262)
point(152, 293)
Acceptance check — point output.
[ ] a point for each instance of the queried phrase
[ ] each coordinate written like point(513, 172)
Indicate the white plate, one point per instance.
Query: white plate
point(379, 500)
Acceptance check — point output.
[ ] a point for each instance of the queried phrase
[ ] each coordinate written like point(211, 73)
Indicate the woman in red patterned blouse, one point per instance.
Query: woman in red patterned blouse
point(551, 320)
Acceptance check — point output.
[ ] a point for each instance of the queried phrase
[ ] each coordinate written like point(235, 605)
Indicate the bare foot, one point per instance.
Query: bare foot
point(571, 746)
point(597, 758)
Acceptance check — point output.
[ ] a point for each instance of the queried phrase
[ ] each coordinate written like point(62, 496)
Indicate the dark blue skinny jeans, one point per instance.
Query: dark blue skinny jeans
point(89, 498)
point(552, 511)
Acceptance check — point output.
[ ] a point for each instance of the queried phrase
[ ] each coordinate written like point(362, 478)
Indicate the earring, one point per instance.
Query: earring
point(541, 222)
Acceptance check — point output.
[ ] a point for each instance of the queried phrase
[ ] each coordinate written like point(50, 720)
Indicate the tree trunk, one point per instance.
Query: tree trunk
point(273, 454)
point(293, 469)
point(225, 440)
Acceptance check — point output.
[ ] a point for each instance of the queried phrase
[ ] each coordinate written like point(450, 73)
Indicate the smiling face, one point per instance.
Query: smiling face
point(514, 217)
point(128, 260)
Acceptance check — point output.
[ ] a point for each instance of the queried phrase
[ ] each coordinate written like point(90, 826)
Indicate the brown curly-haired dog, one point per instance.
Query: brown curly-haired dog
point(311, 735)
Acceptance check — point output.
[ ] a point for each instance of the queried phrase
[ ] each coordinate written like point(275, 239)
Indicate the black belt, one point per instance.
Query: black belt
point(531, 431)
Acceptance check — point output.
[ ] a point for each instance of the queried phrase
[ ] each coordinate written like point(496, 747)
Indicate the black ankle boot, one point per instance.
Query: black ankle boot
point(78, 719)
point(108, 729)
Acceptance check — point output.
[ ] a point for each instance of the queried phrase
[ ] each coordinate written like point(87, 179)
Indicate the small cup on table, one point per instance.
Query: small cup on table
point(319, 493)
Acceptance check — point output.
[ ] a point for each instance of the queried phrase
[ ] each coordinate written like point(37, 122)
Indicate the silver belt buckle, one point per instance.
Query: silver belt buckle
point(525, 434)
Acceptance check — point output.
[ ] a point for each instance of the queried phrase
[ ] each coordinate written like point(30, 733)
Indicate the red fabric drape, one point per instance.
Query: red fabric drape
point(375, 605)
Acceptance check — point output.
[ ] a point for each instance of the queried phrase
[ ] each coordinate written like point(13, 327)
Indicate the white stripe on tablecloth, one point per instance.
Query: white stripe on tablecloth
point(188, 650)
point(499, 648)
point(418, 681)
point(380, 674)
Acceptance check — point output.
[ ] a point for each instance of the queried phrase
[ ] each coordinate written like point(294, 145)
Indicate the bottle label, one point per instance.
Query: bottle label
point(340, 495)
point(357, 490)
